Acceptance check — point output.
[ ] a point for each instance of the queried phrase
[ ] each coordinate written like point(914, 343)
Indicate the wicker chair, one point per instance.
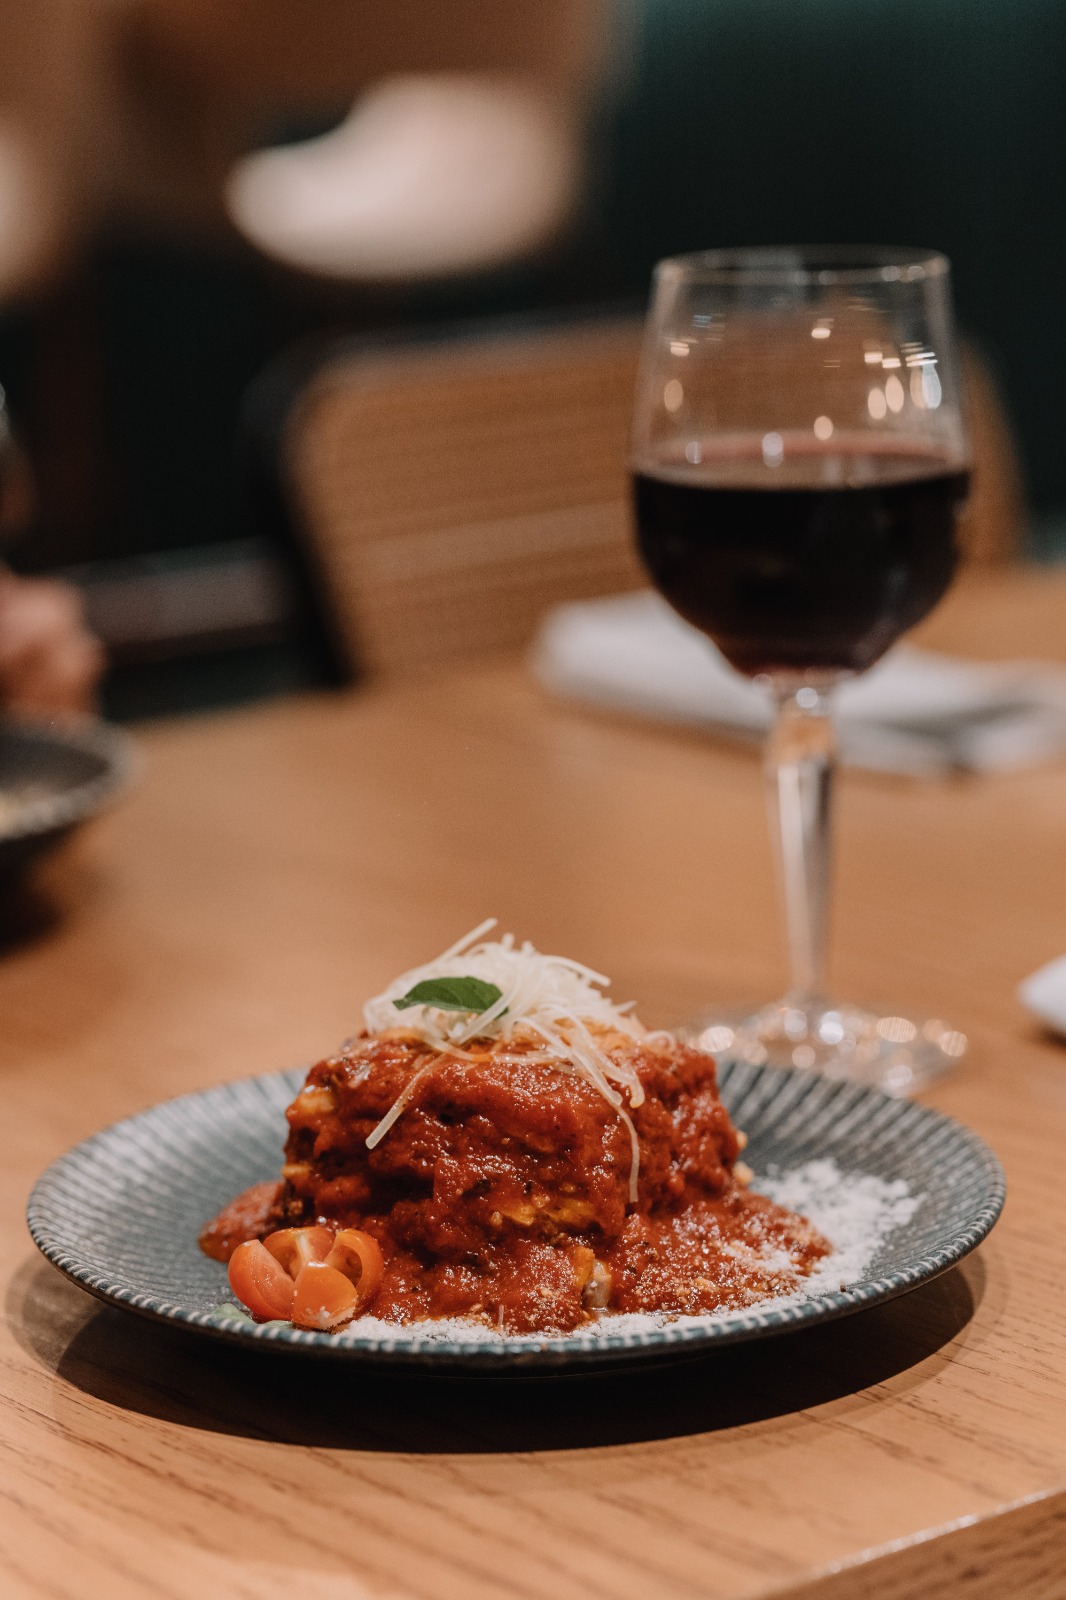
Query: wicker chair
point(451, 492)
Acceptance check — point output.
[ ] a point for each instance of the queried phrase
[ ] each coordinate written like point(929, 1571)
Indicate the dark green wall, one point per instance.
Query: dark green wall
point(927, 122)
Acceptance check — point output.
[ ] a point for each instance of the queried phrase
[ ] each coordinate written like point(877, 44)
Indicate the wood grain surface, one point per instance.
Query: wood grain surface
point(273, 867)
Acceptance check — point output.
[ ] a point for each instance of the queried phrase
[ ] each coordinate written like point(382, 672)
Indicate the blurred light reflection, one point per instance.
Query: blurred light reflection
point(897, 1030)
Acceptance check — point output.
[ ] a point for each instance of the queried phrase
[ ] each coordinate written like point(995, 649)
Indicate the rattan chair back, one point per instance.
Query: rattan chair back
point(453, 491)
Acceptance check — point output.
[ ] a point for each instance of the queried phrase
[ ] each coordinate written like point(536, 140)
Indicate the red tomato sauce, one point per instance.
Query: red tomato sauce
point(502, 1192)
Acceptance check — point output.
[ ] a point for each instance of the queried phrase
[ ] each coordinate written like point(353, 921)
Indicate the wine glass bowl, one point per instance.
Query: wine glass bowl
point(799, 464)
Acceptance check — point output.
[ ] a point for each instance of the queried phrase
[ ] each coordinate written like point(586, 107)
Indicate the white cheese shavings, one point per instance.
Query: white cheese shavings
point(548, 1000)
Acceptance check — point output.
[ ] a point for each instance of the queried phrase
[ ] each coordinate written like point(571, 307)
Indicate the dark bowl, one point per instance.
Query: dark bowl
point(52, 777)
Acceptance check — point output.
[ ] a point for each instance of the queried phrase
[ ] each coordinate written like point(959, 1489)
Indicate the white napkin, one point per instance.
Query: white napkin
point(914, 712)
point(1044, 992)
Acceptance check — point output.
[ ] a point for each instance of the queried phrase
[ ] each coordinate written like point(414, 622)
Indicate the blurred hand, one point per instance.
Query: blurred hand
point(50, 663)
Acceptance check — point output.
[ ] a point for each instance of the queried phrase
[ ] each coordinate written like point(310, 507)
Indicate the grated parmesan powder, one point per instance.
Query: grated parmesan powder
point(855, 1211)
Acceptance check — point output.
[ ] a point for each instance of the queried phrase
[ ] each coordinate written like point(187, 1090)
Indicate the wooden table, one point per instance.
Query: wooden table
point(273, 867)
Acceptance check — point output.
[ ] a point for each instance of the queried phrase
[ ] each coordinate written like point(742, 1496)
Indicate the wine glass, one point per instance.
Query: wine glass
point(799, 462)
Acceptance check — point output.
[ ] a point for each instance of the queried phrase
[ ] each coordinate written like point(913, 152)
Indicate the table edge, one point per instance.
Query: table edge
point(1019, 1549)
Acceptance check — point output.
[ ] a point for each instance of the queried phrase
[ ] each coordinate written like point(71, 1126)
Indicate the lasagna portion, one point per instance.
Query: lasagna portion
point(501, 1143)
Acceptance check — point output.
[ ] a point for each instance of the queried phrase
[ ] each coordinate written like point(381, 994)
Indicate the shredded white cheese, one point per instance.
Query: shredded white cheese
point(548, 1001)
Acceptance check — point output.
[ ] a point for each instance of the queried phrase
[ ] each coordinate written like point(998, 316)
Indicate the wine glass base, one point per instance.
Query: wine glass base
point(895, 1053)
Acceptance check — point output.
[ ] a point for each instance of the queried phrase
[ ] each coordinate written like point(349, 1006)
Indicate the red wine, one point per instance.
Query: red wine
point(816, 564)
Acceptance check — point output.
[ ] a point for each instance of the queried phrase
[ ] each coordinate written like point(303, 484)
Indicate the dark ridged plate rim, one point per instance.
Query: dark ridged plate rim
point(790, 1117)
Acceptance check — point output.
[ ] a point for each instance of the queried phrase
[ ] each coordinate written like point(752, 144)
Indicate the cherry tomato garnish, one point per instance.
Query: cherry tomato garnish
point(293, 1248)
point(260, 1282)
point(358, 1256)
point(323, 1298)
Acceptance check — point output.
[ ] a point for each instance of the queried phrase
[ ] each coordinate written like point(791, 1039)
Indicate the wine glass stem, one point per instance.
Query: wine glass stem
point(799, 780)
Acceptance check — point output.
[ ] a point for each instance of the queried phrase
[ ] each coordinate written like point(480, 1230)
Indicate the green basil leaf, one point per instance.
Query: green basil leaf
point(451, 994)
point(228, 1312)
